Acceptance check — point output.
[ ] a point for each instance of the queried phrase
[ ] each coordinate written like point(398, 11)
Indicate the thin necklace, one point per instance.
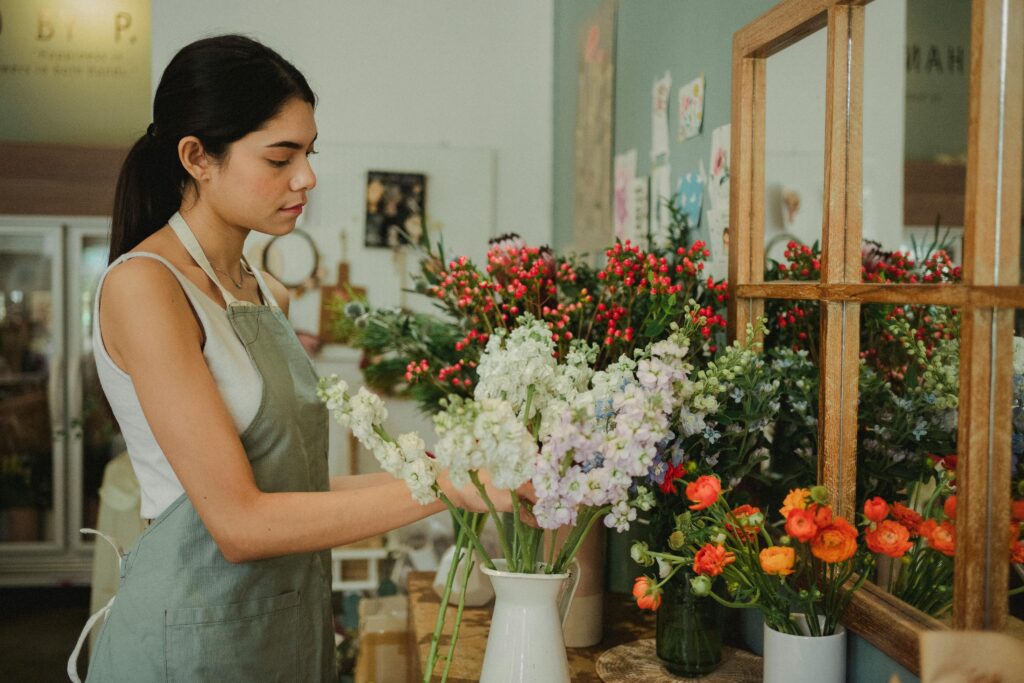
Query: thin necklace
point(238, 285)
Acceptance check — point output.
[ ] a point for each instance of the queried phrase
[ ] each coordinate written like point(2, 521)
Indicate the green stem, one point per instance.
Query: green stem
point(565, 560)
point(473, 537)
point(458, 617)
point(502, 531)
point(435, 639)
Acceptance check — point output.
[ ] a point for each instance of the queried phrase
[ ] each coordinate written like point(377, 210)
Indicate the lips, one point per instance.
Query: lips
point(296, 209)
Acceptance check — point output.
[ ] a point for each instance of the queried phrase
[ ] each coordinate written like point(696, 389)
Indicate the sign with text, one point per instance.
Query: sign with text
point(74, 72)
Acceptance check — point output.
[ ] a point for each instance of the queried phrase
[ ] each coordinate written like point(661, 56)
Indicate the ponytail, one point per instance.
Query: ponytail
point(217, 89)
point(149, 191)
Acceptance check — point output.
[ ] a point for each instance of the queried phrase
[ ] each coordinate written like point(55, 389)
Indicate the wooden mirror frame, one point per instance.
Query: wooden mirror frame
point(986, 297)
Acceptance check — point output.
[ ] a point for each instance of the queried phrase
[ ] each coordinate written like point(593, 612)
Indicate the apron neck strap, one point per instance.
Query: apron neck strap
point(191, 244)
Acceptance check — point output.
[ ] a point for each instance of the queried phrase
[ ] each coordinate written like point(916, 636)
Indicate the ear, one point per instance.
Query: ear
point(193, 157)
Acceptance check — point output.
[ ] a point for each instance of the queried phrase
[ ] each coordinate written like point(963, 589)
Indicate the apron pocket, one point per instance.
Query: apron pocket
point(252, 640)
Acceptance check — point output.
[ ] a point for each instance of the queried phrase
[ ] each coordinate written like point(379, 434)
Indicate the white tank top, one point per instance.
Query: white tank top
point(240, 386)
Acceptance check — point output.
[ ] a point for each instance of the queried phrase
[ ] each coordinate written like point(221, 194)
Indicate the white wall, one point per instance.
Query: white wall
point(465, 75)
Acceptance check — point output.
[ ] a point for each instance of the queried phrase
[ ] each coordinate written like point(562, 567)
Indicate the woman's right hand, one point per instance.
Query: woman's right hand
point(470, 499)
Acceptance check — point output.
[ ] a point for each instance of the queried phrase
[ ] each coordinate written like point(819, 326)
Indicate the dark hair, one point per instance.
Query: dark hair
point(218, 89)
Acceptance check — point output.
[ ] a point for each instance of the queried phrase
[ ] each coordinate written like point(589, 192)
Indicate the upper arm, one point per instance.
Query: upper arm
point(280, 292)
point(146, 315)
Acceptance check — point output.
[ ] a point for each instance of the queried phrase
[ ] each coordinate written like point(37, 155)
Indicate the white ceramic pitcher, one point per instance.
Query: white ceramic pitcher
point(525, 642)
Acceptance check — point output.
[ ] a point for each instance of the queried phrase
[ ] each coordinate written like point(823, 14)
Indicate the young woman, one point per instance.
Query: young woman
point(216, 397)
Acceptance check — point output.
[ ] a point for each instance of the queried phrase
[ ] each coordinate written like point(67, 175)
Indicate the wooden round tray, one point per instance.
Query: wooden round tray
point(638, 662)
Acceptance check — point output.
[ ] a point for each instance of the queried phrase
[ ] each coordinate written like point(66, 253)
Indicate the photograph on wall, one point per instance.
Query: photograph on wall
point(395, 208)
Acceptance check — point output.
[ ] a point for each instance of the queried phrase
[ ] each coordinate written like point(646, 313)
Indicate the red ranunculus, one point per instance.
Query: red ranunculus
point(889, 538)
point(703, 492)
point(949, 507)
point(711, 560)
point(822, 514)
point(743, 532)
point(941, 537)
point(647, 593)
point(800, 525)
point(907, 517)
point(876, 509)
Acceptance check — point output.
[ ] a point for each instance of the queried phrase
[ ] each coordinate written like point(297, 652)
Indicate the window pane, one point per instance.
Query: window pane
point(99, 431)
point(906, 447)
point(794, 163)
point(28, 348)
point(915, 134)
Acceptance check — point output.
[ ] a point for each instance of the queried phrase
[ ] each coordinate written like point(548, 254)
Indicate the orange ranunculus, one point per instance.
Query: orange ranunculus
point(835, 543)
point(704, 491)
point(747, 532)
point(796, 499)
point(778, 560)
point(822, 514)
point(800, 525)
point(1016, 547)
point(907, 517)
point(647, 593)
point(1017, 510)
point(949, 507)
point(712, 559)
point(876, 509)
point(1017, 553)
point(940, 537)
point(889, 538)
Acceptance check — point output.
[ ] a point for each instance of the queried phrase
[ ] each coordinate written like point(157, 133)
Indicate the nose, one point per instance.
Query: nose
point(304, 179)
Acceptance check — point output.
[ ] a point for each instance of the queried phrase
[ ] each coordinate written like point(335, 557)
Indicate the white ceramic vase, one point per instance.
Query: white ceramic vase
point(525, 642)
point(478, 590)
point(791, 659)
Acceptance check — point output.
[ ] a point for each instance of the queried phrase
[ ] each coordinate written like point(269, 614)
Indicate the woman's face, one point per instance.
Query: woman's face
point(263, 182)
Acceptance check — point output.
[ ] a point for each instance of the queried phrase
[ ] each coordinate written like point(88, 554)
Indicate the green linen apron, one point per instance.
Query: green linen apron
point(182, 611)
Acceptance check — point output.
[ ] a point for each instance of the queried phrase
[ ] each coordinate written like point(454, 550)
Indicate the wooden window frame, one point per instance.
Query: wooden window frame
point(986, 297)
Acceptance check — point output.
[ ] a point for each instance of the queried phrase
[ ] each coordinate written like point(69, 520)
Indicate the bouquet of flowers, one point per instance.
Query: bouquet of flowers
point(579, 434)
point(805, 570)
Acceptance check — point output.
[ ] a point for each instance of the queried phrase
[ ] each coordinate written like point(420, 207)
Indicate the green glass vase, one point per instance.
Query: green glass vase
point(689, 632)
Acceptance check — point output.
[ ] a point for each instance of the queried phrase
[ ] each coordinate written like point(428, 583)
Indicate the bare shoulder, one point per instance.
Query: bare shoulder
point(142, 299)
point(280, 292)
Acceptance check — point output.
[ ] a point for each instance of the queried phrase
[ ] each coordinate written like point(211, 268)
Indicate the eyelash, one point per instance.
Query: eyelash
point(282, 164)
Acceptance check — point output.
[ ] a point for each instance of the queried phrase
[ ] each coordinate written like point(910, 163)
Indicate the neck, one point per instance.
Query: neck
point(222, 242)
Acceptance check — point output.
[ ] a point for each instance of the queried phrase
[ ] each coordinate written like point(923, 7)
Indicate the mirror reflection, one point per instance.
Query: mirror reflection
point(915, 131)
point(794, 169)
point(791, 347)
point(906, 448)
point(1015, 365)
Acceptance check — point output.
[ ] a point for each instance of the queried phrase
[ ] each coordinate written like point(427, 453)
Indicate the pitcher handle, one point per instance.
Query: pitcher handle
point(568, 591)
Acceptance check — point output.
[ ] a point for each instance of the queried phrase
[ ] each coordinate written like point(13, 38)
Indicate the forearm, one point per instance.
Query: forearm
point(275, 524)
point(349, 482)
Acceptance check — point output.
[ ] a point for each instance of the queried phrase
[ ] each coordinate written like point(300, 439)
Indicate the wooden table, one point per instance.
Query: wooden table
point(623, 623)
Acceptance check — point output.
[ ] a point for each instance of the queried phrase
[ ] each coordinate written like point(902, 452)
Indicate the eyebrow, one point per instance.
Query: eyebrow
point(292, 145)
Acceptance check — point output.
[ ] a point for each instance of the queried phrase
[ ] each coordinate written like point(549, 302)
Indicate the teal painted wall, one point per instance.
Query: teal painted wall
point(687, 37)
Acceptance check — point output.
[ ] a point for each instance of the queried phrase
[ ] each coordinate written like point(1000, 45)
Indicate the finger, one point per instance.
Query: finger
point(527, 492)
